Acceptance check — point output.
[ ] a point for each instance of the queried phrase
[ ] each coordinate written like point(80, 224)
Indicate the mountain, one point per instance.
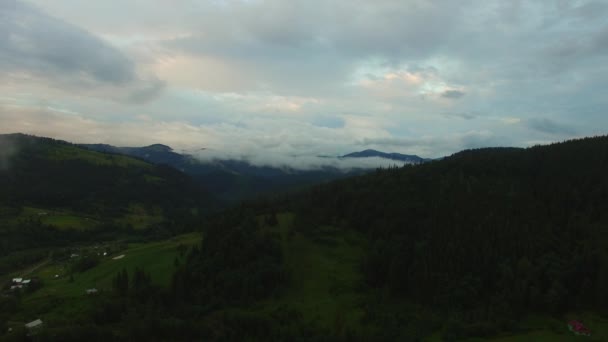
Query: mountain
point(488, 235)
point(410, 159)
point(231, 180)
point(494, 243)
point(59, 191)
point(157, 153)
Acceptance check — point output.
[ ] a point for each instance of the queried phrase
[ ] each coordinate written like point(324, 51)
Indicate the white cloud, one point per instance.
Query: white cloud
point(284, 78)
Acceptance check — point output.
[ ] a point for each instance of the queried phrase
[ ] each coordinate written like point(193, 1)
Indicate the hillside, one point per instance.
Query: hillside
point(52, 191)
point(490, 234)
point(228, 179)
point(500, 243)
point(407, 158)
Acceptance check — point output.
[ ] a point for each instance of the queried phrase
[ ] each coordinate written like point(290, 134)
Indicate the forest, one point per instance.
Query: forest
point(466, 246)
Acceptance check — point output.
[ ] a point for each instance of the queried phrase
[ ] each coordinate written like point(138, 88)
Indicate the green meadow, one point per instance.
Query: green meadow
point(325, 279)
point(62, 294)
point(71, 152)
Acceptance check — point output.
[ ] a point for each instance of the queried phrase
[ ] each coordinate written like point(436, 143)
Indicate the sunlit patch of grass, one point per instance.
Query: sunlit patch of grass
point(156, 258)
point(68, 152)
point(325, 276)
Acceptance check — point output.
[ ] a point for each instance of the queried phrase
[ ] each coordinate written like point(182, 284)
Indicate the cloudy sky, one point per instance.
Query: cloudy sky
point(251, 78)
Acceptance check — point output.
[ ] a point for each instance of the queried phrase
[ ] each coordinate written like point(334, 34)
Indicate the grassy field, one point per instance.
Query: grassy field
point(64, 220)
point(542, 328)
point(549, 329)
point(137, 216)
point(324, 274)
point(61, 297)
point(68, 152)
point(140, 218)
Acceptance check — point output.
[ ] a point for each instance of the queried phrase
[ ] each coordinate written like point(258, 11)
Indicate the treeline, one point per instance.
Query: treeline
point(54, 174)
point(490, 233)
point(51, 174)
point(211, 297)
point(471, 243)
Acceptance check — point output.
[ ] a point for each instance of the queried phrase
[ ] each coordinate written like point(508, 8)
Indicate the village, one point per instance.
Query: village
point(65, 263)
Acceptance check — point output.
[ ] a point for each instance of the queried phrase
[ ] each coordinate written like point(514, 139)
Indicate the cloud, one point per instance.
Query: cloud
point(549, 126)
point(430, 145)
point(260, 141)
point(303, 78)
point(452, 94)
point(35, 47)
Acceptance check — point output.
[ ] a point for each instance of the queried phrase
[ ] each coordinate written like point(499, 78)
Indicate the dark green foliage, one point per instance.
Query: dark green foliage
point(120, 283)
point(85, 263)
point(488, 232)
point(51, 174)
point(464, 246)
point(235, 264)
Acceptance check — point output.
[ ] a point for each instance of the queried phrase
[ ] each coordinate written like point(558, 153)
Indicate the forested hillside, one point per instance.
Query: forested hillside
point(492, 233)
point(492, 242)
point(234, 180)
point(51, 191)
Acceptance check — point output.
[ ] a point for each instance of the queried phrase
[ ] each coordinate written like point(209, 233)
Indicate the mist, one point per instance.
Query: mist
point(301, 162)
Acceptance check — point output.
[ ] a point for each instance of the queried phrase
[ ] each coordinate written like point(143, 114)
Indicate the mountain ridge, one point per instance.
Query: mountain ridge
point(409, 158)
point(233, 180)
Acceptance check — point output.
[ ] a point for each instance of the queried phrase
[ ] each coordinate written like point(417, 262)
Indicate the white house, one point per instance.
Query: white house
point(92, 291)
point(17, 280)
point(34, 324)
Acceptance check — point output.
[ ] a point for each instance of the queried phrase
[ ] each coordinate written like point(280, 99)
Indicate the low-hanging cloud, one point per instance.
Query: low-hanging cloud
point(275, 79)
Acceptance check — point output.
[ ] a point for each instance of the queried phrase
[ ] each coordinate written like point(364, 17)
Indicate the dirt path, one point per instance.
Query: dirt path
point(29, 270)
point(35, 267)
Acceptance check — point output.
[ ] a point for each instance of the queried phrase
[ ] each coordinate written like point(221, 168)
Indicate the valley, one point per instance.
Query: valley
point(381, 256)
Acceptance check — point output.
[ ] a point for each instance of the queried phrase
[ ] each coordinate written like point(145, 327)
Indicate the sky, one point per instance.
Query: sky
point(282, 79)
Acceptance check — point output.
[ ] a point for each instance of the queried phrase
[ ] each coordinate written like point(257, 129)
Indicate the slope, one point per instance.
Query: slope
point(52, 191)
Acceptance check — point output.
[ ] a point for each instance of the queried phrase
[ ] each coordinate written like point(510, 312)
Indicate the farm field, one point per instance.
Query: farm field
point(62, 294)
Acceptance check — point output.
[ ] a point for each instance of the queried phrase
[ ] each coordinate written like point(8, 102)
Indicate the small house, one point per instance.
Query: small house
point(578, 328)
point(34, 324)
point(92, 291)
point(17, 280)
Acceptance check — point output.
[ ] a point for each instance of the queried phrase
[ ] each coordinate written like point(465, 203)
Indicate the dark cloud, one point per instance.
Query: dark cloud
point(453, 94)
point(550, 126)
point(463, 115)
point(524, 65)
point(149, 92)
point(30, 40)
point(36, 44)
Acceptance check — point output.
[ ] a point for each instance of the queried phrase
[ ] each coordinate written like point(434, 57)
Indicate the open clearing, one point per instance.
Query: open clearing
point(61, 297)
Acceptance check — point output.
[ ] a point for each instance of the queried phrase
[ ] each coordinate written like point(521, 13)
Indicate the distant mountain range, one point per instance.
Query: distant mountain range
point(407, 158)
point(233, 180)
point(109, 189)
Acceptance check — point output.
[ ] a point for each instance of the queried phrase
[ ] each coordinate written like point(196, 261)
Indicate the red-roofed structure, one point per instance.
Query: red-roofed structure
point(578, 328)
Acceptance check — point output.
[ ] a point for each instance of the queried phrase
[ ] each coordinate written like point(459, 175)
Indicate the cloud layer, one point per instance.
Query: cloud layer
point(259, 78)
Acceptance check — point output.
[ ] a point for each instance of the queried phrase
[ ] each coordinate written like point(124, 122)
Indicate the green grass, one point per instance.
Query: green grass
point(324, 272)
point(551, 329)
point(60, 219)
point(68, 152)
point(137, 216)
point(69, 222)
point(60, 297)
point(141, 218)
